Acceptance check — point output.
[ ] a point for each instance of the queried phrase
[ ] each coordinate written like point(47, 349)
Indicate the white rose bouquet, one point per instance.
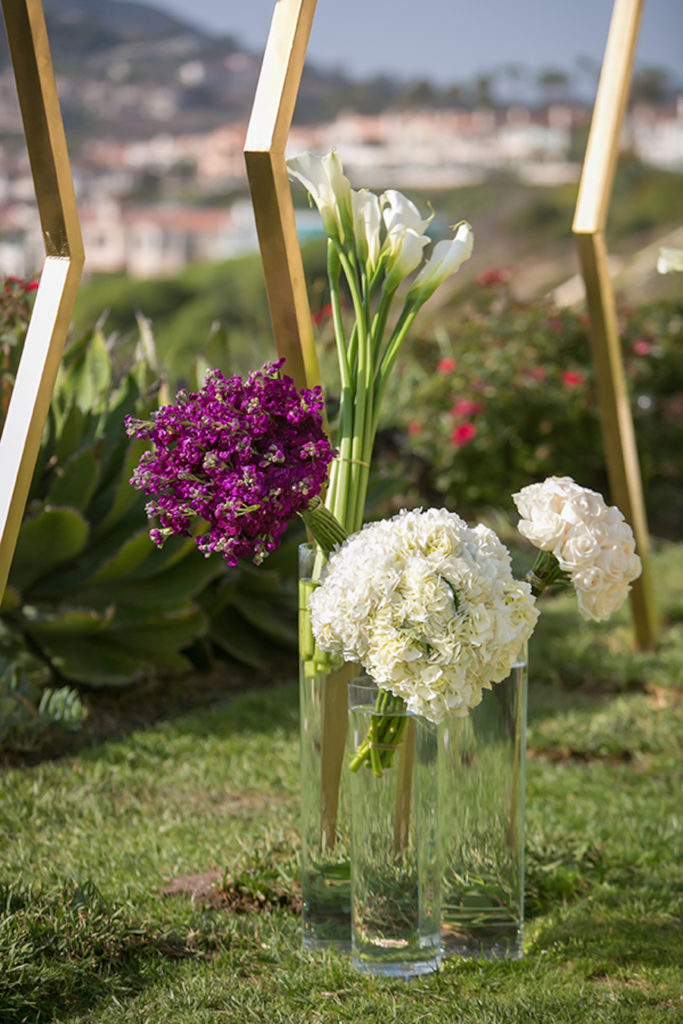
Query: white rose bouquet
point(430, 608)
point(583, 542)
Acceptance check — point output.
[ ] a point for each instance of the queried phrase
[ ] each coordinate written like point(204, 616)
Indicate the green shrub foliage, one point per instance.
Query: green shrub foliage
point(508, 397)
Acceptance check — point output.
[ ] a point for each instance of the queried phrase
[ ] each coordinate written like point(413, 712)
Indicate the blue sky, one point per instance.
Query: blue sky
point(449, 40)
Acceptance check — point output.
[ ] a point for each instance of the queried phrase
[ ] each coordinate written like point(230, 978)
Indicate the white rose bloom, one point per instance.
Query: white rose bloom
point(545, 531)
point(618, 563)
point(599, 604)
point(577, 549)
point(428, 606)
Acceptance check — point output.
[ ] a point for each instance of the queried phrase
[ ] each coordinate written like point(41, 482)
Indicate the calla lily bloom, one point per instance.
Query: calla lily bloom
point(405, 240)
point(447, 257)
point(399, 212)
point(403, 249)
point(367, 220)
point(669, 260)
point(329, 188)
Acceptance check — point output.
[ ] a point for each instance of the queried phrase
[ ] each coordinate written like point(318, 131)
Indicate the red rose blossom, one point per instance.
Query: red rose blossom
point(465, 407)
point(463, 434)
point(573, 379)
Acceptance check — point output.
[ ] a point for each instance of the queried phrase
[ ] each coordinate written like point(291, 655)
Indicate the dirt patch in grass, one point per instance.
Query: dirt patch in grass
point(241, 895)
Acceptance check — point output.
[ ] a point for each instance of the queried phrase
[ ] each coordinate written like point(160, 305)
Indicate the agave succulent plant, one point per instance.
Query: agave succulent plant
point(88, 594)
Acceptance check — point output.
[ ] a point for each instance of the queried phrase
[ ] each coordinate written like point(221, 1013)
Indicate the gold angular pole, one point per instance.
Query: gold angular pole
point(590, 217)
point(264, 151)
point(61, 272)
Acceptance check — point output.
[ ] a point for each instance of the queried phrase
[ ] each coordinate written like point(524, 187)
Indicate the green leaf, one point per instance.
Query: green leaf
point(43, 623)
point(91, 661)
point(270, 621)
point(52, 538)
point(111, 505)
point(230, 632)
point(79, 572)
point(11, 600)
point(119, 566)
point(75, 481)
point(42, 467)
point(88, 379)
point(153, 638)
point(258, 579)
point(70, 433)
point(165, 590)
point(175, 550)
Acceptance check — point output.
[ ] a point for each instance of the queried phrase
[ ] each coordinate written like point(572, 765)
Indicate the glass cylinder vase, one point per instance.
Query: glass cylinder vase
point(325, 825)
point(395, 867)
point(482, 760)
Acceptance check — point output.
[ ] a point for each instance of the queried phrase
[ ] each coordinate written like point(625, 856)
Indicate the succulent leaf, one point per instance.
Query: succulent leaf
point(46, 541)
point(43, 623)
point(229, 631)
point(128, 557)
point(110, 506)
point(75, 481)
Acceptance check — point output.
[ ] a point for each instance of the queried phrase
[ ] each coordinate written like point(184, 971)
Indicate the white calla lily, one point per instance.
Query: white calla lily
point(324, 180)
point(367, 220)
point(405, 240)
point(400, 213)
point(669, 260)
point(403, 249)
point(446, 258)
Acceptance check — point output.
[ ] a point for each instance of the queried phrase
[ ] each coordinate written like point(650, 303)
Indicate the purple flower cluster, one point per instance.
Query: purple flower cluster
point(243, 456)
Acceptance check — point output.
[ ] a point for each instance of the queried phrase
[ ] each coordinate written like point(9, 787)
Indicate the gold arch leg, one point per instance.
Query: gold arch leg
point(264, 151)
point(61, 272)
point(589, 226)
point(285, 284)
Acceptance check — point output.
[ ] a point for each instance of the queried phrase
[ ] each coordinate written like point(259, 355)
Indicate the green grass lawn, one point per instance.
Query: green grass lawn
point(90, 840)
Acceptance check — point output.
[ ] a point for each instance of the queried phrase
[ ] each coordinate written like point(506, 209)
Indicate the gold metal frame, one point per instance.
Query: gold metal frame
point(264, 151)
point(61, 272)
point(590, 217)
point(269, 125)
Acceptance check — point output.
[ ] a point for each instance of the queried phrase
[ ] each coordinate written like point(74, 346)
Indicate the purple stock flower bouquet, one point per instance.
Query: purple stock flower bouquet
point(241, 457)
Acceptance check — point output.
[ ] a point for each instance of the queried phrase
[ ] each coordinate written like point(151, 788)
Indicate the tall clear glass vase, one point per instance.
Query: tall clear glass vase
point(395, 867)
point(482, 761)
point(325, 825)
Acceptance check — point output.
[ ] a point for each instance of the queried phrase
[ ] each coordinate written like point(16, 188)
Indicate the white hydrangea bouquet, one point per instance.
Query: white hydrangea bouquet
point(429, 606)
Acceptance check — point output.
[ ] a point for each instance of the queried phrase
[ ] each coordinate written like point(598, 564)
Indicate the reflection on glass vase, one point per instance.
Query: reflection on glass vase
point(482, 762)
point(325, 827)
point(395, 868)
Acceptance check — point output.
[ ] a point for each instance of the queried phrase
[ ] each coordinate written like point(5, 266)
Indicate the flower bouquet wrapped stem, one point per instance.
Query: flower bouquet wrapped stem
point(384, 735)
point(375, 243)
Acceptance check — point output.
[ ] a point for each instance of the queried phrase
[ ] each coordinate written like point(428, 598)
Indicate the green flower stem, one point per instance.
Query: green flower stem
point(333, 273)
point(363, 404)
point(385, 735)
point(379, 323)
point(546, 572)
point(405, 321)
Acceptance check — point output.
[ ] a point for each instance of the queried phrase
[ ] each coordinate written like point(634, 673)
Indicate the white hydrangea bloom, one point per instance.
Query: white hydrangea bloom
point(428, 606)
point(590, 540)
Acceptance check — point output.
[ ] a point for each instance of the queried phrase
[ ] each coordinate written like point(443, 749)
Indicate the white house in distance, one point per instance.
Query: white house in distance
point(161, 239)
